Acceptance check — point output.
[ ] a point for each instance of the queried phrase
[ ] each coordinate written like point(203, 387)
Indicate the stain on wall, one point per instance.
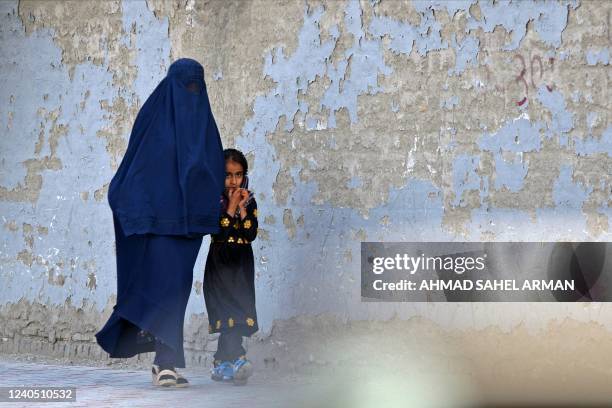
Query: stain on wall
point(362, 120)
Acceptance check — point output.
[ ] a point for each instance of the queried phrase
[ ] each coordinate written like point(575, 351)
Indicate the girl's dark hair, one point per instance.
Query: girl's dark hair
point(236, 156)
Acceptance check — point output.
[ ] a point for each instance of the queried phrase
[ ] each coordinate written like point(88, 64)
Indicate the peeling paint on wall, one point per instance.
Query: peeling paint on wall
point(361, 120)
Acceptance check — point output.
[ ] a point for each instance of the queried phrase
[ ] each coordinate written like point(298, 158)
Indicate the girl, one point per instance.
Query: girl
point(229, 282)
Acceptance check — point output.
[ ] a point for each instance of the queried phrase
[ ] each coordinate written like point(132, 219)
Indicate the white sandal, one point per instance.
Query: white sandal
point(163, 378)
point(168, 378)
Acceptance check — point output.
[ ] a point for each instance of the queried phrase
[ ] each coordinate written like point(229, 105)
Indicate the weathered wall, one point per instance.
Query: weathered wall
point(362, 120)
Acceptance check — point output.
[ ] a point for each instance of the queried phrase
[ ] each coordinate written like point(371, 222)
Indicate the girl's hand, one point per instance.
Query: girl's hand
point(242, 203)
point(244, 196)
point(234, 200)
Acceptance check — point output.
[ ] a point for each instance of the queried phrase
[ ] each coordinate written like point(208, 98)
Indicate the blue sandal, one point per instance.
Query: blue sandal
point(222, 371)
point(243, 369)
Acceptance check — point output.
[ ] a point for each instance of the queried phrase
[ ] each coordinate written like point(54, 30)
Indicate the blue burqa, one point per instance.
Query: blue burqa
point(164, 197)
point(173, 171)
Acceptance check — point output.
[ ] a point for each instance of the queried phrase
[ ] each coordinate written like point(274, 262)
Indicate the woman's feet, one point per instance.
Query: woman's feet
point(168, 377)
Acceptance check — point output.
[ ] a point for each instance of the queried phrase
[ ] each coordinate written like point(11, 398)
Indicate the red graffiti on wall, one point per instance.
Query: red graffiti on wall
point(534, 80)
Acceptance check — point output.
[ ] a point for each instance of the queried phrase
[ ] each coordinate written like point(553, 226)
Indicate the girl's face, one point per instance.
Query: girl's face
point(234, 173)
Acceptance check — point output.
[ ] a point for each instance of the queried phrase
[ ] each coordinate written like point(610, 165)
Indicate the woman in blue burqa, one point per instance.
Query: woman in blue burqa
point(164, 198)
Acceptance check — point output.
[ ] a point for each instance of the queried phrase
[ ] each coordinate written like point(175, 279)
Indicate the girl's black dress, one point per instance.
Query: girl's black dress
point(229, 276)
